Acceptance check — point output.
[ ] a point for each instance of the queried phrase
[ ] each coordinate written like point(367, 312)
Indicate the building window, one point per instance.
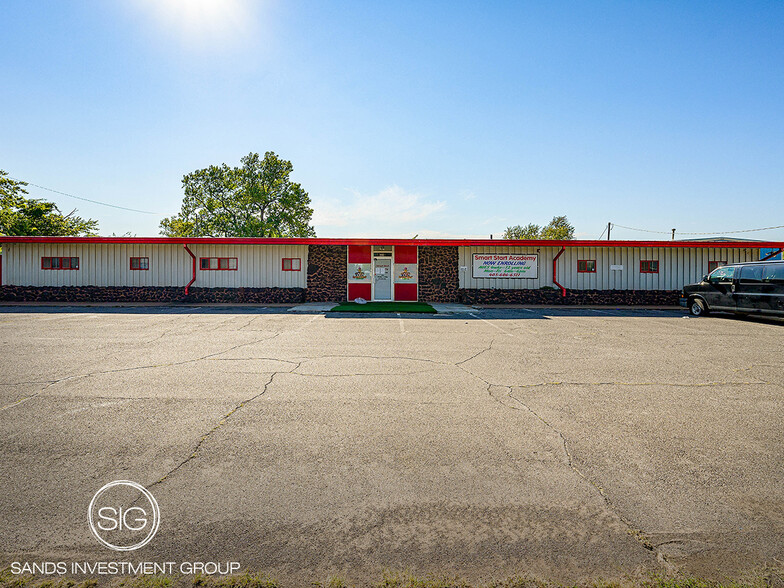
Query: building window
point(586, 266)
point(649, 266)
point(218, 263)
point(712, 265)
point(292, 264)
point(140, 263)
point(60, 263)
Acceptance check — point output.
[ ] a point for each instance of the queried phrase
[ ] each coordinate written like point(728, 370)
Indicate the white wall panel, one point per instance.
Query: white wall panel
point(108, 264)
point(678, 266)
point(258, 266)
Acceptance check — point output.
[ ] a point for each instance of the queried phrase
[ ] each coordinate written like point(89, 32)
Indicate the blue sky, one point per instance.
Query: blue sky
point(403, 118)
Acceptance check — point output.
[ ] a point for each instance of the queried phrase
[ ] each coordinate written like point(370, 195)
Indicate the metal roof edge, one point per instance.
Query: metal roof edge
point(383, 241)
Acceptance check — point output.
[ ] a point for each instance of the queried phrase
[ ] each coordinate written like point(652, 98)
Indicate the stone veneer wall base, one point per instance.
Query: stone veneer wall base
point(553, 297)
point(151, 294)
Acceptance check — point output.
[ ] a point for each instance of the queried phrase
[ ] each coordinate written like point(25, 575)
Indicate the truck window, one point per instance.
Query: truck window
point(773, 272)
point(722, 274)
point(751, 273)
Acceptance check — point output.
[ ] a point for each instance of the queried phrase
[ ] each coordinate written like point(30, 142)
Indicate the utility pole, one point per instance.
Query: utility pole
point(673, 234)
point(608, 230)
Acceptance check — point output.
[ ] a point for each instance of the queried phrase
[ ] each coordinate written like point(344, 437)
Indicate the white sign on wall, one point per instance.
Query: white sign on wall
point(616, 268)
point(505, 265)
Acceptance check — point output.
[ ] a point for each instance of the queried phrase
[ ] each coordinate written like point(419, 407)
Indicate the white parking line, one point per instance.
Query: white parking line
point(504, 331)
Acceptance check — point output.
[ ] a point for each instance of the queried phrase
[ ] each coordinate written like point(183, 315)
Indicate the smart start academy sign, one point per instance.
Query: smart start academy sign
point(511, 265)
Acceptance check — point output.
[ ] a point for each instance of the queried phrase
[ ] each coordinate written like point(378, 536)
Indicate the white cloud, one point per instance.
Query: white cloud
point(467, 195)
point(391, 206)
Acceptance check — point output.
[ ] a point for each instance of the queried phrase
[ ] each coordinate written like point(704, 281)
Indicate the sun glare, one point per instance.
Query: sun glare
point(200, 22)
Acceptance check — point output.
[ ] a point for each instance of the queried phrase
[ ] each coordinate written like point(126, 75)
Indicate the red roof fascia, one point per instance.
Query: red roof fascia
point(381, 241)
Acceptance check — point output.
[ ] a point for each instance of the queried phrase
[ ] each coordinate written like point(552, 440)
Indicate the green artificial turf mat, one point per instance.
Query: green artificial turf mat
point(384, 307)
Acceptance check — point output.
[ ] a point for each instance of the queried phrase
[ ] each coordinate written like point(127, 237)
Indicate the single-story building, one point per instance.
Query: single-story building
point(280, 270)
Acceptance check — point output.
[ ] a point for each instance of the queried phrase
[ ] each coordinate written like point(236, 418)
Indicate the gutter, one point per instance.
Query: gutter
point(555, 267)
point(193, 257)
point(380, 241)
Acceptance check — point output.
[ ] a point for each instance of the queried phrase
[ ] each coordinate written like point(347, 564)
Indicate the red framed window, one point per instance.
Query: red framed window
point(60, 263)
point(140, 263)
point(586, 266)
point(218, 263)
point(712, 265)
point(291, 264)
point(649, 266)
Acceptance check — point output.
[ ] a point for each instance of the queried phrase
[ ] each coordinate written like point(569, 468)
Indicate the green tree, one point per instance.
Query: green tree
point(255, 200)
point(529, 231)
point(557, 229)
point(30, 216)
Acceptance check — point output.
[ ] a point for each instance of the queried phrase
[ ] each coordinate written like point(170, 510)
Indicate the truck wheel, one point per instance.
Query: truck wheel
point(697, 307)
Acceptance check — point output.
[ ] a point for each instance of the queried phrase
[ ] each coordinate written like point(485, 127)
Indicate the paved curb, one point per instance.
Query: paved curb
point(313, 307)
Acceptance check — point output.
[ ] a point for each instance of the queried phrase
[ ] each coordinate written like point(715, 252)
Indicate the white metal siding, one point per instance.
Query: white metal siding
point(258, 266)
point(108, 264)
point(678, 266)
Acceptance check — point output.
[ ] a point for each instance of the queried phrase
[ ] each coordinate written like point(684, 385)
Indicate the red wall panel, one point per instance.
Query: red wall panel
point(359, 254)
point(359, 291)
point(405, 254)
point(406, 292)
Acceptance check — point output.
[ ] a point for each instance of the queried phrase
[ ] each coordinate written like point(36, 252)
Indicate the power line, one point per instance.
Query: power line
point(85, 199)
point(708, 233)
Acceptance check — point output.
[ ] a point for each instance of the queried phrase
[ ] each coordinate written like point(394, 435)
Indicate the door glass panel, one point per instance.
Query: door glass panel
point(382, 279)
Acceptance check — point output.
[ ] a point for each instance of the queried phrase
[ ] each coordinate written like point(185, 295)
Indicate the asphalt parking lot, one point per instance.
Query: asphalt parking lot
point(566, 444)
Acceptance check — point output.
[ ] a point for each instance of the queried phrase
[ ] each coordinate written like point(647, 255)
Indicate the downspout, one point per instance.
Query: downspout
point(555, 266)
point(193, 279)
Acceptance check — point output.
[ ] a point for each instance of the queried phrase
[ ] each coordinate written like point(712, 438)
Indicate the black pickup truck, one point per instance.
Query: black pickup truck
point(742, 288)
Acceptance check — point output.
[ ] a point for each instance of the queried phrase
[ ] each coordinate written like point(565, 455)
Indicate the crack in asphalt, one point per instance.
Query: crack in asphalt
point(638, 534)
point(640, 537)
point(360, 374)
point(330, 356)
point(668, 384)
point(513, 403)
point(41, 391)
point(253, 359)
point(134, 368)
point(209, 433)
point(477, 354)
